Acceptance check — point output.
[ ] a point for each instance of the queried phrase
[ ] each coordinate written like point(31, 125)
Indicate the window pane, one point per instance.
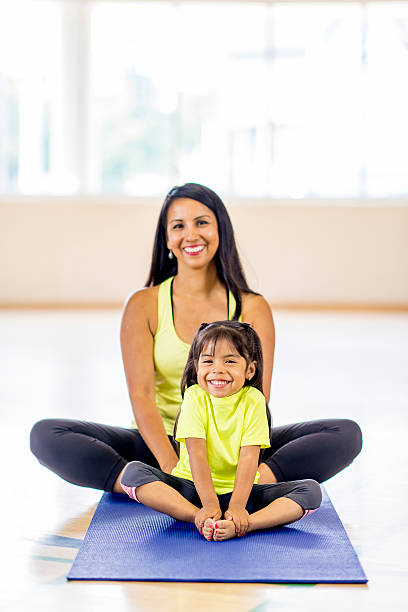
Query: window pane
point(251, 98)
point(267, 107)
point(30, 96)
point(386, 143)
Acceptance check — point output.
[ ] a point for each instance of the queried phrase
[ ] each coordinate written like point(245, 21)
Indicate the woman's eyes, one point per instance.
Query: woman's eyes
point(181, 225)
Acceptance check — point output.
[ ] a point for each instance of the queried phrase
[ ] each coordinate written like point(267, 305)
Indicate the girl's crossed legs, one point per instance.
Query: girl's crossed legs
point(269, 505)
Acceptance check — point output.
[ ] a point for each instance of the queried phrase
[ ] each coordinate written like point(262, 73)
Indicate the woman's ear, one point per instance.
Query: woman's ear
point(251, 369)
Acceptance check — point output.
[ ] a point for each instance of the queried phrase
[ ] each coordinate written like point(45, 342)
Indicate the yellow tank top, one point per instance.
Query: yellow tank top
point(170, 356)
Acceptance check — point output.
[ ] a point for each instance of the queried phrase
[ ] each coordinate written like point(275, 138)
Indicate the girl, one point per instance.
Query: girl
point(223, 424)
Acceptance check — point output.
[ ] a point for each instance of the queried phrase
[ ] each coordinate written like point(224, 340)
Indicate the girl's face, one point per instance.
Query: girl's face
point(224, 372)
point(192, 232)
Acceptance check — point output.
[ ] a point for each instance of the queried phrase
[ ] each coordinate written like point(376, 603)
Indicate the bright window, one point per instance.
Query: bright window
point(254, 99)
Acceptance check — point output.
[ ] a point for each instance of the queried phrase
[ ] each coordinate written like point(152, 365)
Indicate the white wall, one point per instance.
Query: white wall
point(97, 250)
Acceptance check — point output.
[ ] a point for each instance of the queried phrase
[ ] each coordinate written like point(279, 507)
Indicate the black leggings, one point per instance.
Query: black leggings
point(93, 455)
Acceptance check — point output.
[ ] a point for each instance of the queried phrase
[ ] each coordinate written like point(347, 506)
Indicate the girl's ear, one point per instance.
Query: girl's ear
point(251, 369)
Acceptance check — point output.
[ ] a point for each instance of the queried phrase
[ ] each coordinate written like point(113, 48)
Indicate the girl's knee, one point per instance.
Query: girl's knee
point(134, 472)
point(313, 494)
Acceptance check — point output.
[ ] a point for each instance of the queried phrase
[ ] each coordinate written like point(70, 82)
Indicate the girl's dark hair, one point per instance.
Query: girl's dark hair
point(227, 260)
point(242, 337)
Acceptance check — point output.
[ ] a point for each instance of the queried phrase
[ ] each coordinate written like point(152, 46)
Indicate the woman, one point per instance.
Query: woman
point(195, 276)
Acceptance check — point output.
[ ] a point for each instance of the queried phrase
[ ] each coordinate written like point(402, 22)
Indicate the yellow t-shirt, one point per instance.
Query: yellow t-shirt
point(226, 423)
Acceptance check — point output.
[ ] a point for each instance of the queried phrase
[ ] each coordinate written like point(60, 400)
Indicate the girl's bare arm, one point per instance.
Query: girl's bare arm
point(245, 476)
point(197, 454)
point(244, 480)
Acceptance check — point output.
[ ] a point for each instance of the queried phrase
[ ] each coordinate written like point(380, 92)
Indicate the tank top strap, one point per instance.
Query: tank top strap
point(232, 304)
point(164, 310)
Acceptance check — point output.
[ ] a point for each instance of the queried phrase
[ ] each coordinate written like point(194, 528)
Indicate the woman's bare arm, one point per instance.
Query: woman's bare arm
point(257, 312)
point(137, 351)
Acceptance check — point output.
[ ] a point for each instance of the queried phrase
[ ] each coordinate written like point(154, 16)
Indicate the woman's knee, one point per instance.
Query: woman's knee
point(41, 436)
point(352, 439)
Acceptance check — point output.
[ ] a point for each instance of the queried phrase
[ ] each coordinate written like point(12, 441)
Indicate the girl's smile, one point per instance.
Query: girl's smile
point(222, 371)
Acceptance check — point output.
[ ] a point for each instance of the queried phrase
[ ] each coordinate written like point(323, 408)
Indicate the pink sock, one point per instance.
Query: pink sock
point(306, 511)
point(131, 491)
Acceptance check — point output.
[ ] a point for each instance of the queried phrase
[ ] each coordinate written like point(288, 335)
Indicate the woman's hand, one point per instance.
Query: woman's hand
point(240, 517)
point(211, 510)
point(168, 467)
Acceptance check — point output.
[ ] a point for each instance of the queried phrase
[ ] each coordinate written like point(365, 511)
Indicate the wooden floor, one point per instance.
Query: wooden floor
point(327, 364)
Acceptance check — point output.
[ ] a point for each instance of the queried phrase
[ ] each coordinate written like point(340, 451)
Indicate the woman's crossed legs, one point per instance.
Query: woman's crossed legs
point(94, 455)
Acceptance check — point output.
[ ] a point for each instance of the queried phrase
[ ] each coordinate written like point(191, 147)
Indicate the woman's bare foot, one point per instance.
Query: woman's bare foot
point(223, 530)
point(208, 529)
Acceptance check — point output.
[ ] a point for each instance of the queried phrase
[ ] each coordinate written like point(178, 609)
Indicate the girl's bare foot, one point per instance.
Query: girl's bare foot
point(208, 529)
point(223, 530)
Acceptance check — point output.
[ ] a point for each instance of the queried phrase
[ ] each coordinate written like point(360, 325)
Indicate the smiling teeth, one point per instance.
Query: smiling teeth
point(218, 383)
point(194, 249)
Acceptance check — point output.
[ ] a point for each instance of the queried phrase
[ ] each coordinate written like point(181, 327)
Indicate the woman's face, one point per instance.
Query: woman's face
point(192, 232)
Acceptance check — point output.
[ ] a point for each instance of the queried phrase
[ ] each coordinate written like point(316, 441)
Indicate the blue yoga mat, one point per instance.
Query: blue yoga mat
point(127, 541)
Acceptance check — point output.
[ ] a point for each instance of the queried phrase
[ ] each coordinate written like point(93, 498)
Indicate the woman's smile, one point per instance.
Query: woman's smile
point(193, 251)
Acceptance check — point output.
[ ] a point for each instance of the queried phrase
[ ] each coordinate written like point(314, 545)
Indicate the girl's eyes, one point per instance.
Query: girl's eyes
point(209, 361)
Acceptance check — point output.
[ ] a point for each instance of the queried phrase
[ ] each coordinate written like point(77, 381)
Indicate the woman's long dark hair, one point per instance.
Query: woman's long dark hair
point(242, 337)
point(226, 259)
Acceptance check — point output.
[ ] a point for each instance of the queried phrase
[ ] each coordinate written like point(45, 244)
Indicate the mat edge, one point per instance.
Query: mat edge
point(356, 581)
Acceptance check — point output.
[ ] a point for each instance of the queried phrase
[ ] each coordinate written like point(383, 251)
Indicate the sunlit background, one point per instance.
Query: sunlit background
point(294, 112)
point(278, 100)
